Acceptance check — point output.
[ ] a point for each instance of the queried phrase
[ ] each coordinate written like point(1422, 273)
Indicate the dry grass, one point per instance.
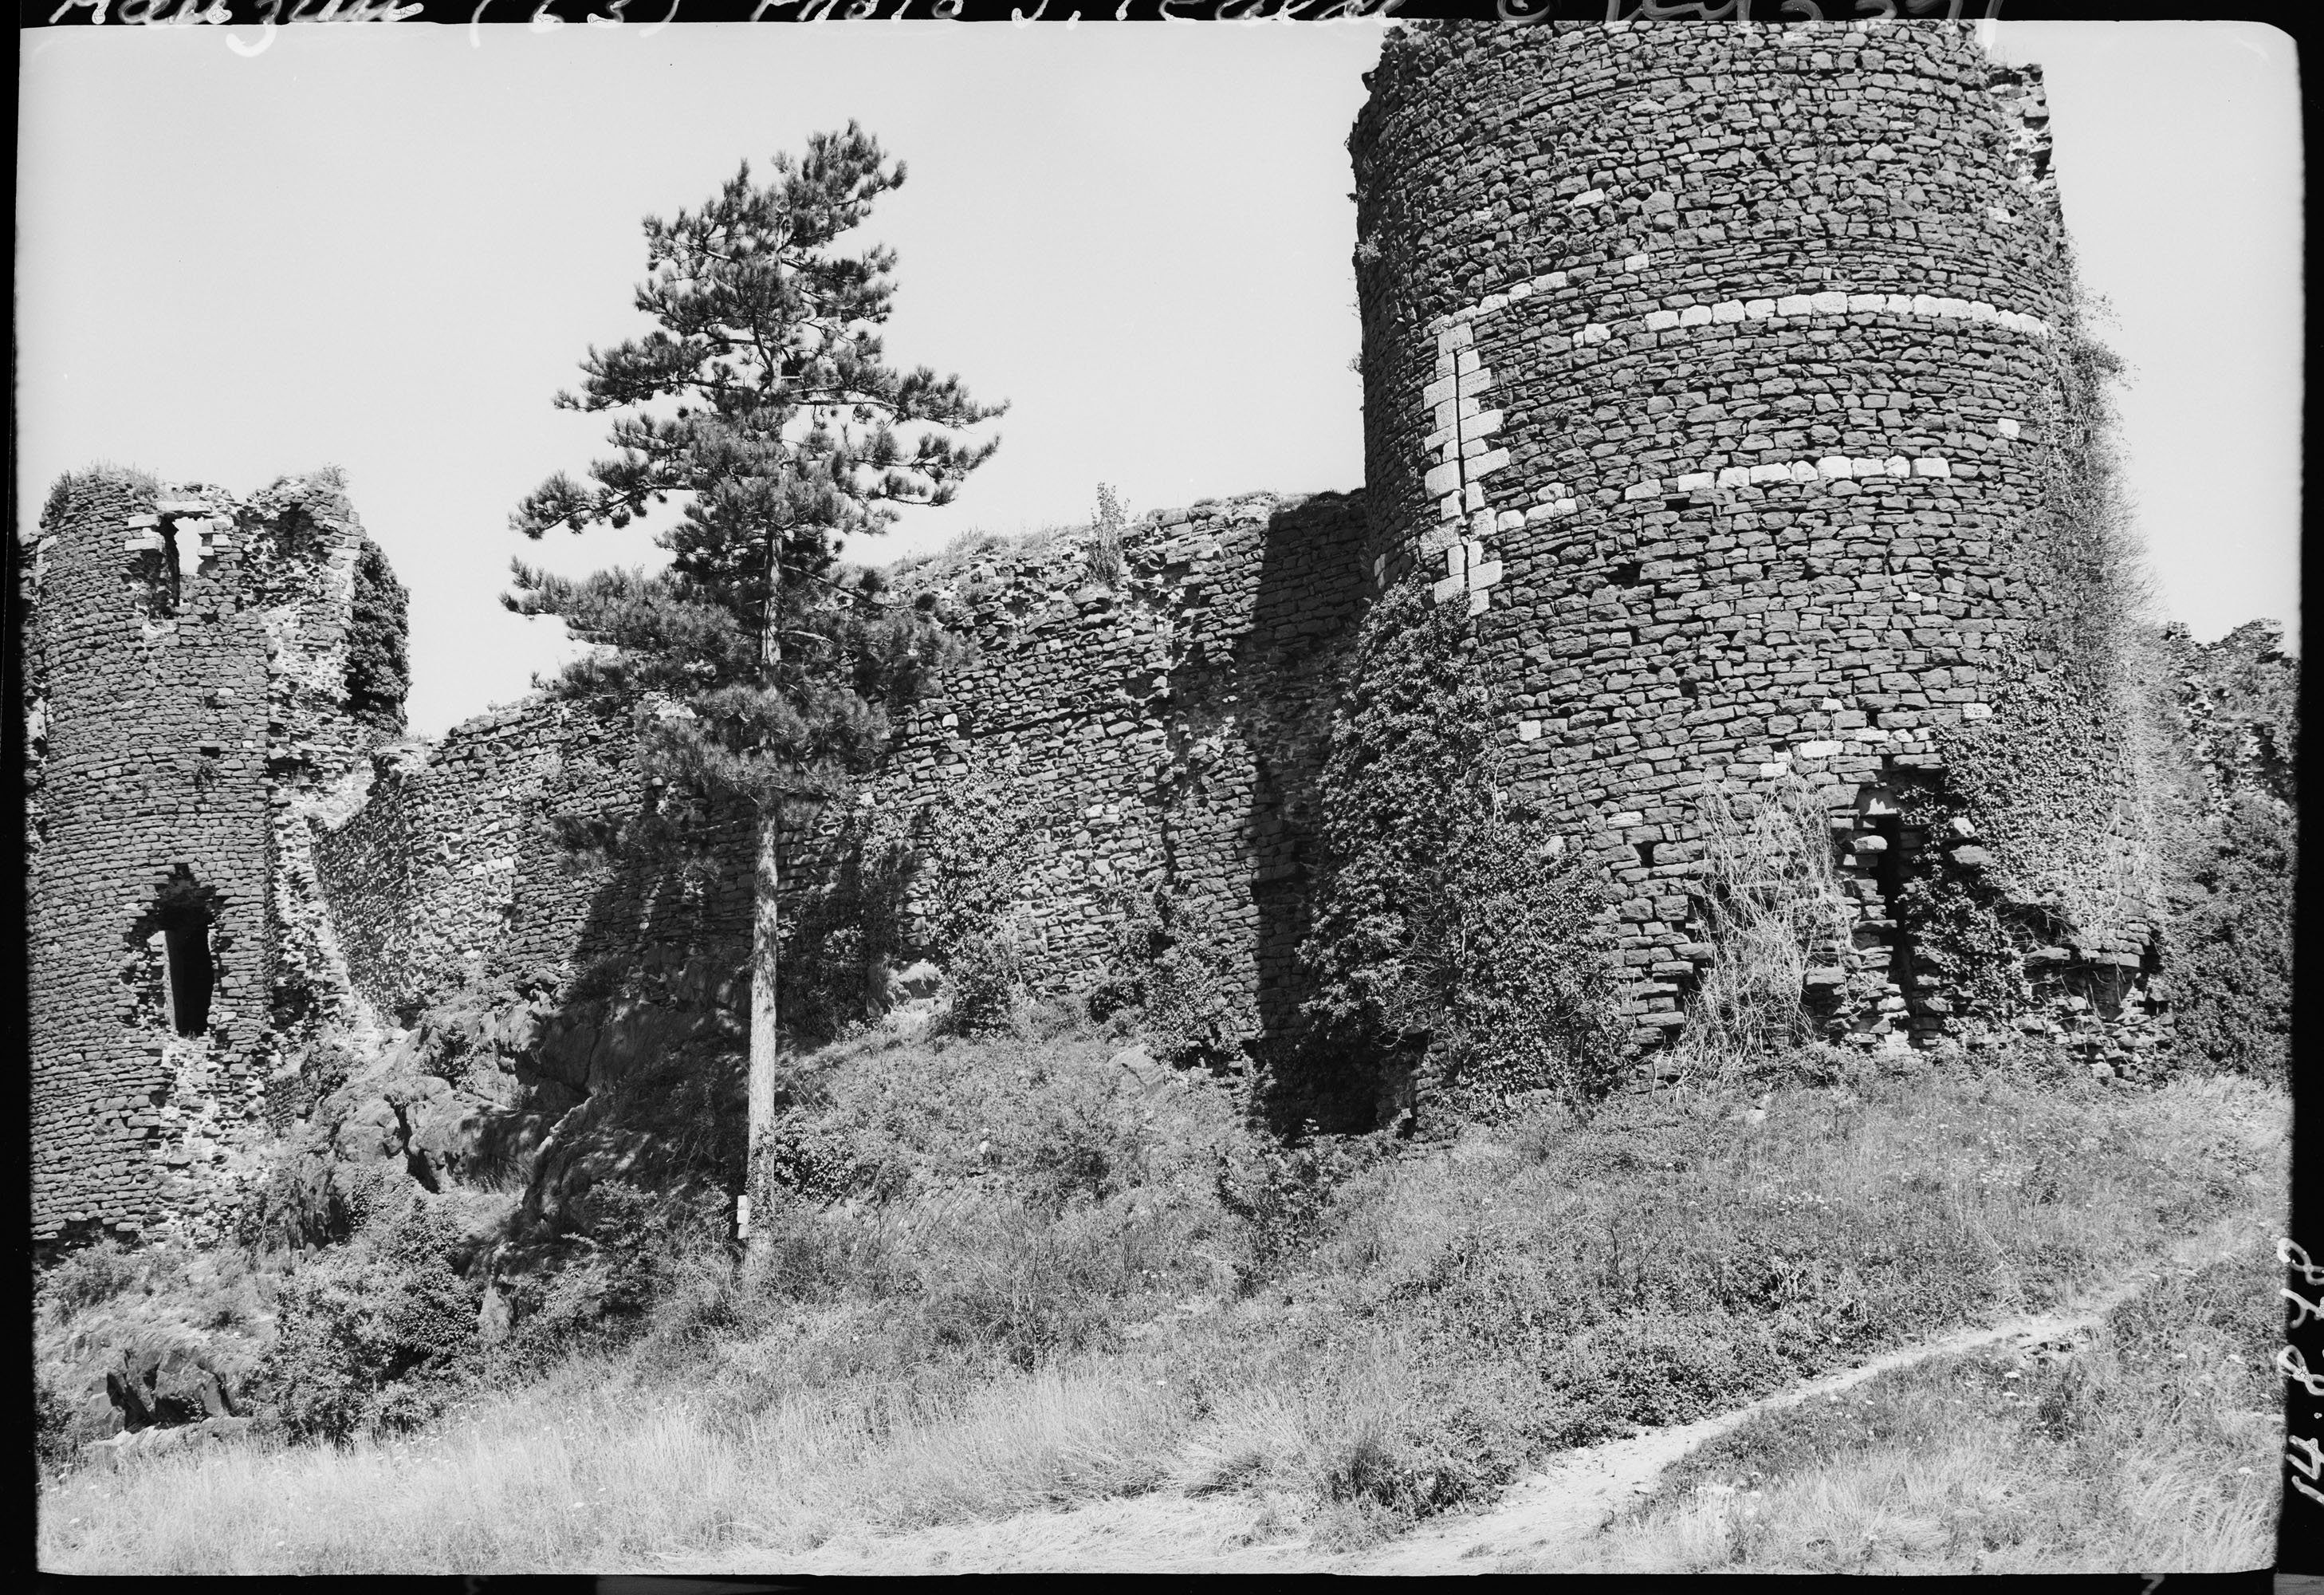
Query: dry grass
point(1019, 1289)
point(2152, 1444)
point(1774, 906)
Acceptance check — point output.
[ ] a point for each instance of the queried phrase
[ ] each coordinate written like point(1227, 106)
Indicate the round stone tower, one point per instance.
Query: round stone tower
point(1707, 366)
point(188, 691)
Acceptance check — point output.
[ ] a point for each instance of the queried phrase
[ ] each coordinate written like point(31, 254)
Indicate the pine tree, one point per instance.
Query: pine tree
point(762, 400)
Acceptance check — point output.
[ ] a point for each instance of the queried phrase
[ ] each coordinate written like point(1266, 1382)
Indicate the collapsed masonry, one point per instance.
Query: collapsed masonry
point(1725, 378)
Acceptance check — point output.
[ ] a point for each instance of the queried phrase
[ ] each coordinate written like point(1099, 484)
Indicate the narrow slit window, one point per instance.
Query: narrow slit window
point(169, 588)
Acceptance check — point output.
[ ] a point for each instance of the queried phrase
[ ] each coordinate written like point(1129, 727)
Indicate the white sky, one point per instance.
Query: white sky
point(384, 247)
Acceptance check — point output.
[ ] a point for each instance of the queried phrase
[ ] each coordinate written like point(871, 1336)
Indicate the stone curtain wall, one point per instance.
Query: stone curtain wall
point(452, 867)
point(1705, 365)
point(185, 655)
point(1165, 729)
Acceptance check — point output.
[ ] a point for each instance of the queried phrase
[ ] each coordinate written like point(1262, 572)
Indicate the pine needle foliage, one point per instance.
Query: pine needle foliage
point(762, 403)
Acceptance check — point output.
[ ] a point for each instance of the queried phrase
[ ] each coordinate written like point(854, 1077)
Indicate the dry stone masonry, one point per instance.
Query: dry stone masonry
point(1160, 731)
point(186, 666)
point(1705, 365)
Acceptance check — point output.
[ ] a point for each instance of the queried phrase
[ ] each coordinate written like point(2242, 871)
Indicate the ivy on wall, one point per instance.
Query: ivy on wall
point(2052, 776)
point(1455, 950)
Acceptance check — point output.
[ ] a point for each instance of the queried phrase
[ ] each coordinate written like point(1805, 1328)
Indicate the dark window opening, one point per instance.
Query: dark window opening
point(1690, 690)
point(187, 945)
point(1888, 864)
point(1625, 574)
point(183, 915)
point(167, 588)
point(1646, 854)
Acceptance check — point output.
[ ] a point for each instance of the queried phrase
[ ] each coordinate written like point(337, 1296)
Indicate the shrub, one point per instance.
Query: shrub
point(1283, 1194)
point(1105, 552)
point(1166, 964)
point(376, 1335)
point(86, 1277)
point(987, 977)
point(2234, 945)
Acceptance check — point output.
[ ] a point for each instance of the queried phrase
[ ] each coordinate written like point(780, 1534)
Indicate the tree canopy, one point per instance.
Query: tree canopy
point(762, 403)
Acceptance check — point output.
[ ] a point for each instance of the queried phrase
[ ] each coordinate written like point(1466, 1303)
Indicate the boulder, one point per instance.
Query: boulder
point(163, 1389)
point(595, 1052)
point(1144, 1067)
point(916, 981)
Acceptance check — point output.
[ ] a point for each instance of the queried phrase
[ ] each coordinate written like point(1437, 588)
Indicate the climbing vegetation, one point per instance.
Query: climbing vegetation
point(1454, 937)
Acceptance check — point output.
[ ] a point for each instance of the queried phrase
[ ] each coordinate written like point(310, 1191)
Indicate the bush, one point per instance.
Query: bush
point(377, 1335)
point(1105, 556)
point(2231, 950)
point(86, 1277)
point(1165, 964)
point(1282, 1195)
point(987, 978)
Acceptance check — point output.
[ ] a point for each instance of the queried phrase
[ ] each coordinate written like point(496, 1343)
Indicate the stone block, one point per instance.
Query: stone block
point(1661, 320)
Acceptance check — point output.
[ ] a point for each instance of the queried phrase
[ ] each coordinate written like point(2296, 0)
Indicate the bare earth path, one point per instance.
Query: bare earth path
point(1574, 1494)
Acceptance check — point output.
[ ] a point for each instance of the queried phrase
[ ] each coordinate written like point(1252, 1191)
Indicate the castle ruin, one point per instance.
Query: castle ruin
point(1728, 378)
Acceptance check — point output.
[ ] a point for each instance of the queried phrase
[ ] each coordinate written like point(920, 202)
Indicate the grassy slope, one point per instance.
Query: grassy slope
point(2150, 1444)
point(1015, 1277)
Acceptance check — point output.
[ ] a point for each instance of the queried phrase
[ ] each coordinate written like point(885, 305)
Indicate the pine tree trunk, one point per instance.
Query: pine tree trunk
point(766, 937)
point(766, 932)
